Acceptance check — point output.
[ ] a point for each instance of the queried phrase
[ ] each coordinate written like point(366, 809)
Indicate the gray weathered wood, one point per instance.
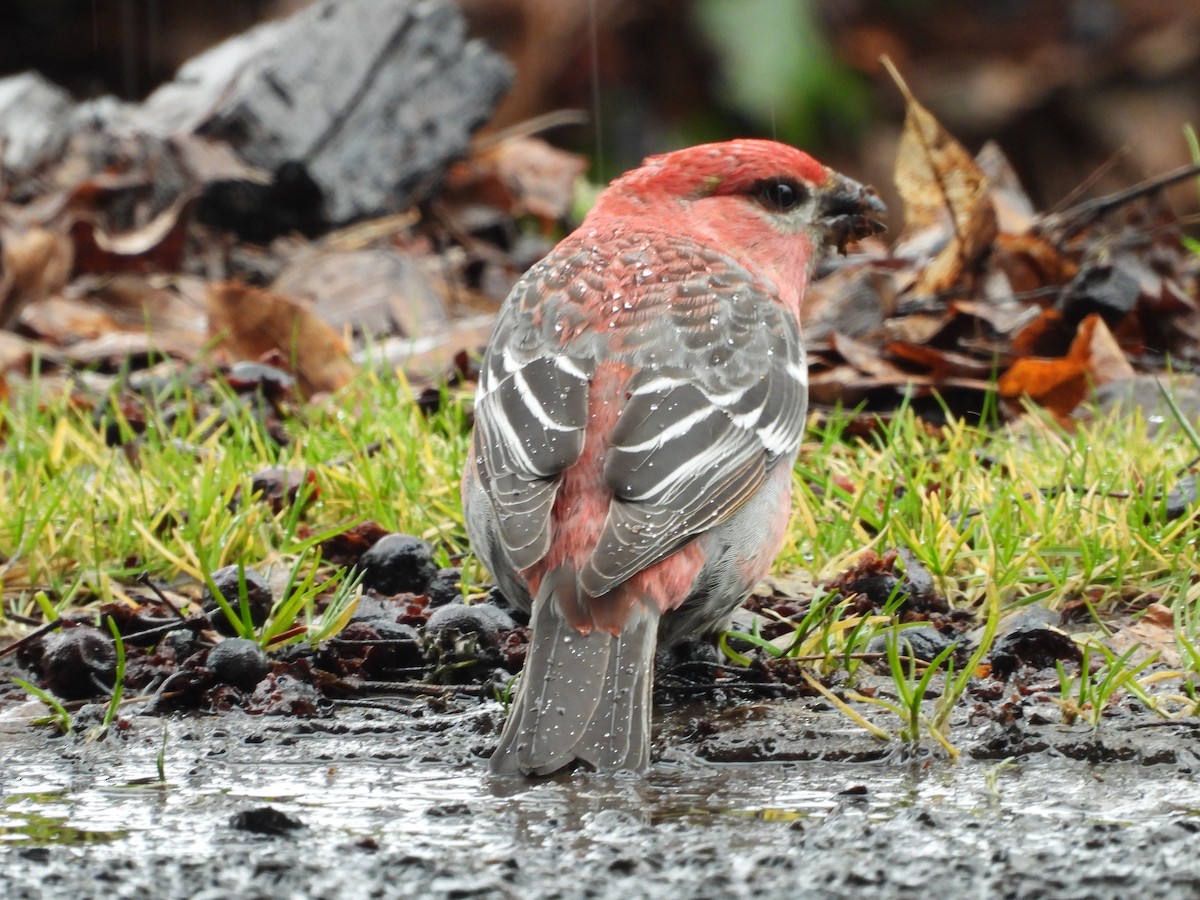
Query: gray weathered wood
point(374, 96)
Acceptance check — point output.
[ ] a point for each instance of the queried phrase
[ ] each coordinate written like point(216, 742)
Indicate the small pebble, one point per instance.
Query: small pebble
point(239, 662)
point(398, 563)
point(482, 619)
point(79, 662)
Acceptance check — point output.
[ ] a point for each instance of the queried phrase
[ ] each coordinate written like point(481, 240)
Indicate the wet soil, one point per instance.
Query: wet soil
point(744, 799)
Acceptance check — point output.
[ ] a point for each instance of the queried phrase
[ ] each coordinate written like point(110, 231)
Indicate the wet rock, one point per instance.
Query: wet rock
point(1142, 396)
point(688, 652)
point(79, 662)
point(180, 643)
point(382, 645)
point(227, 581)
point(238, 662)
point(284, 695)
point(461, 639)
point(480, 619)
point(398, 563)
point(1032, 644)
point(1107, 289)
point(445, 587)
point(495, 597)
point(1181, 499)
point(264, 820)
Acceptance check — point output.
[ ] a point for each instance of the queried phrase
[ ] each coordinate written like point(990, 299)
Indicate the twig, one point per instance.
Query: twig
point(1079, 217)
point(144, 580)
point(1097, 173)
point(421, 689)
point(31, 637)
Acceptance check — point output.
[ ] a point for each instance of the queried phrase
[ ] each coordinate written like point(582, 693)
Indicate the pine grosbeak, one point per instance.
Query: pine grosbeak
point(639, 410)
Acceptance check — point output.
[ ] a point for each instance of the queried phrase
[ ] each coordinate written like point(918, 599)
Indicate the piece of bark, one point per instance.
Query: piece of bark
point(374, 98)
point(33, 115)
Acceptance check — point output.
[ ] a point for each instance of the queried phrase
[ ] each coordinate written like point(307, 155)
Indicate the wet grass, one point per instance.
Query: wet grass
point(91, 502)
point(1032, 511)
point(1000, 518)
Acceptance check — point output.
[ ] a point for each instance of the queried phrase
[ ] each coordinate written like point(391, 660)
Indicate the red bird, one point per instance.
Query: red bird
point(639, 410)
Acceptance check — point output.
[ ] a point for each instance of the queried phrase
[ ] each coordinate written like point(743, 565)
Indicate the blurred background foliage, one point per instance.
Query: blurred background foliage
point(1067, 87)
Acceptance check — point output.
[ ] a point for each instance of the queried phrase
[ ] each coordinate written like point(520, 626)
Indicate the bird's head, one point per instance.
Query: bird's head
point(767, 204)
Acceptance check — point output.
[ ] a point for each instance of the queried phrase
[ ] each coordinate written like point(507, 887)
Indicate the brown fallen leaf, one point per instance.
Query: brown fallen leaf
point(1003, 318)
point(33, 264)
point(156, 246)
point(1015, 213)
point(522, 175)
point(163, 313)
point(251, 322)
point(853, 300)
point(431, 356)
point(16, 353)
point(376, 290)
point(1153, 632)
point(1061, 384)
point(941, 364)
point(1031, 262)
point(1107, 362)
point(942, 188)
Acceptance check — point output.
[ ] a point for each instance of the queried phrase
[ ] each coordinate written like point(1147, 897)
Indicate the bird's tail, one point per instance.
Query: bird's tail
point(581, 697)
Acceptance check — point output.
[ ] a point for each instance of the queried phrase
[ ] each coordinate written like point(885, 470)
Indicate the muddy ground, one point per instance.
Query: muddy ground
point(744, 799)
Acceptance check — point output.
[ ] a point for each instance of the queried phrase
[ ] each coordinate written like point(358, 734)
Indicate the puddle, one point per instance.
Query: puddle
point(396, 806)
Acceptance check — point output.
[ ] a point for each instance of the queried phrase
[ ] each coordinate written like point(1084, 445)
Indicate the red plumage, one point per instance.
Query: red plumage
point(639, 409)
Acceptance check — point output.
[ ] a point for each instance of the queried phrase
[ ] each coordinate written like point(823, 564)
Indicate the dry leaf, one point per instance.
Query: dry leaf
point(522, 175)
point(164, 313)
point(942, 188)
point(16, 352)
point(1152, 632)
point(251, 322)
point(33, 264)
point(1001, 317)
point(156, 246)
point(376, 290)
point(431, 356)
point(1031, 262)
point(1015, 213)
point(1061, 384)
point(1106, 360)
point(942, 365)
point(864, 357)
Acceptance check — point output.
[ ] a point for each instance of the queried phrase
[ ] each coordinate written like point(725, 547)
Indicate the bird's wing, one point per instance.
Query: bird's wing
point(531, 406)
point(719, 395)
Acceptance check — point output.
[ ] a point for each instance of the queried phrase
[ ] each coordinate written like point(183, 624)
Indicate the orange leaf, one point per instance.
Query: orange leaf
point(1061, 384)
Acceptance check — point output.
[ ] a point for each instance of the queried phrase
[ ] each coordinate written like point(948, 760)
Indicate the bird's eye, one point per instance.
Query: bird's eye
point(780, 195)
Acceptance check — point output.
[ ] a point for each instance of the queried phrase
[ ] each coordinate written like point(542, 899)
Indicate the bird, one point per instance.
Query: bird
point(638, 413)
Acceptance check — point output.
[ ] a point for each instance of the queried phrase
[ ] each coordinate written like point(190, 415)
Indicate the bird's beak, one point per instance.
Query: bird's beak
point(850, 211)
